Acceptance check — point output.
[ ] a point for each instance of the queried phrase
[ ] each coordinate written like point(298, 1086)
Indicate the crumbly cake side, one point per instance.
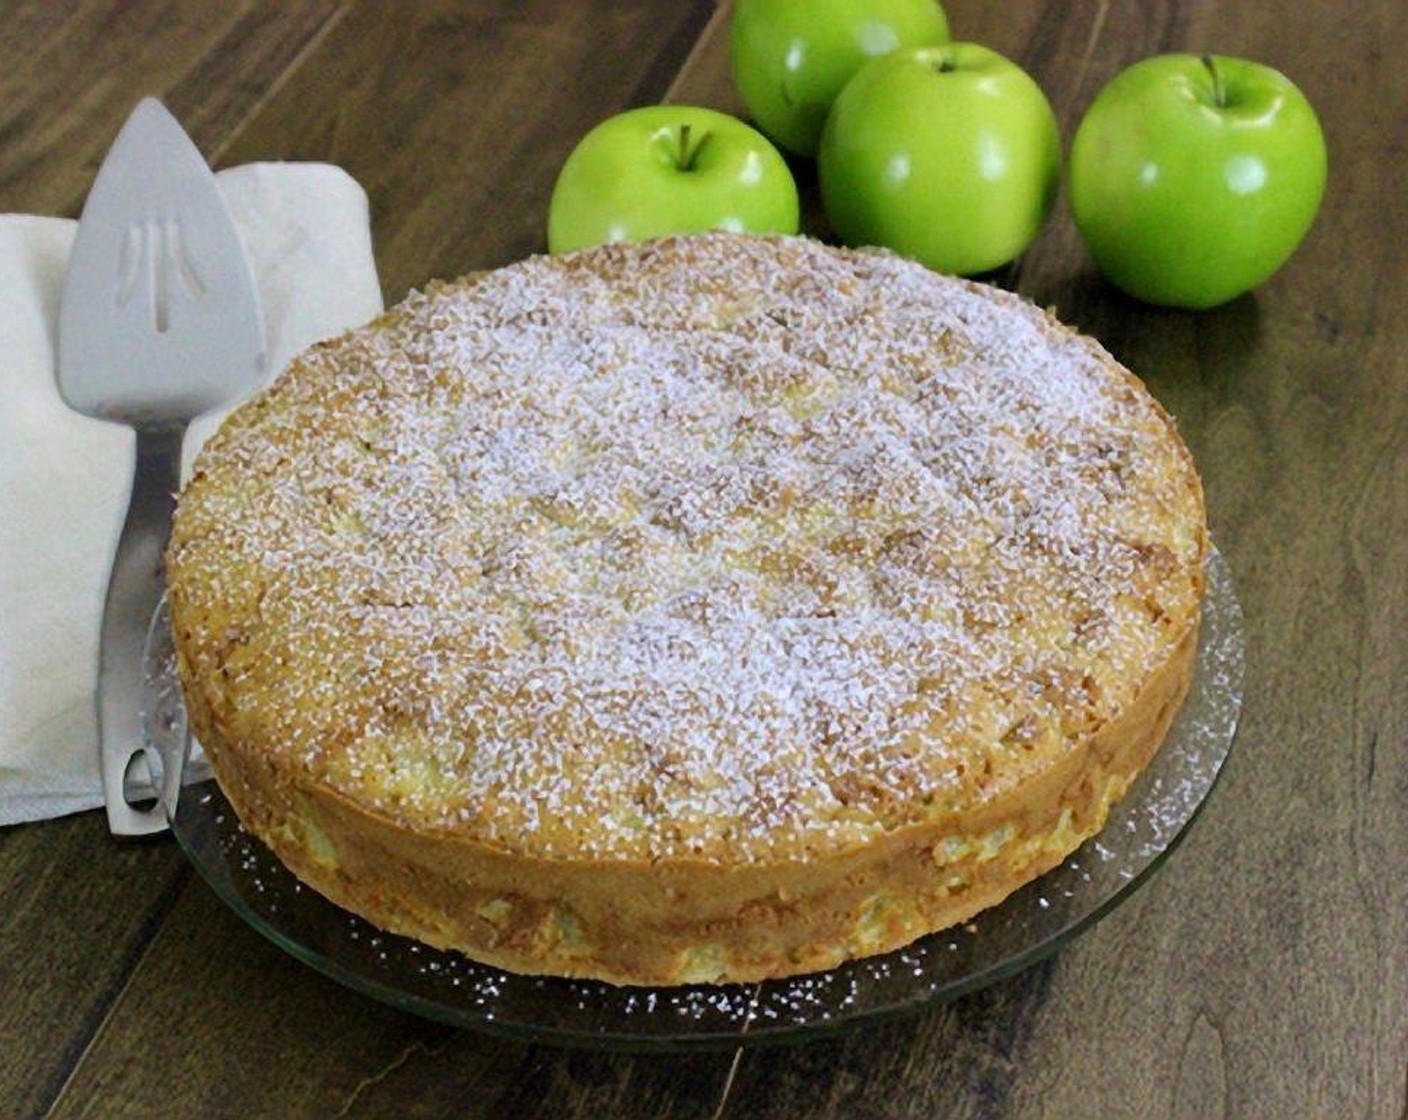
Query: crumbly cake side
point(708, 609)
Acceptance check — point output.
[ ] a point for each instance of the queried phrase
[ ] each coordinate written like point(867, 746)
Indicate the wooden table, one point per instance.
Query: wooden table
point(1262, 973)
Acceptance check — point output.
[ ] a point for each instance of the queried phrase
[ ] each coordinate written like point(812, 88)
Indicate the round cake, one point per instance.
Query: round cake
point(707, 609)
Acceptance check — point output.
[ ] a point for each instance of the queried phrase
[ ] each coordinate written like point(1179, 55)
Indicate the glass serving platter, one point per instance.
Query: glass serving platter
point(1142, 830)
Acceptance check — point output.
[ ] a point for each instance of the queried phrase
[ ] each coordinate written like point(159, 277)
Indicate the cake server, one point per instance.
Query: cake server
point(159, 322)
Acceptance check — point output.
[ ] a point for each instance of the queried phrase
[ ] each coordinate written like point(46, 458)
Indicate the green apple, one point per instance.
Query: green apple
point(669, 169)
point(950, 155)
point(1193, 179)
point(792, 57)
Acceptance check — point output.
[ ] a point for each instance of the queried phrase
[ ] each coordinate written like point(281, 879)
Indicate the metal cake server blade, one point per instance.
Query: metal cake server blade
point(159, 322)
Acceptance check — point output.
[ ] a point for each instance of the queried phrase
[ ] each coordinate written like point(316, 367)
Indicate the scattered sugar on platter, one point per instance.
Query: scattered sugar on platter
point(712, 610)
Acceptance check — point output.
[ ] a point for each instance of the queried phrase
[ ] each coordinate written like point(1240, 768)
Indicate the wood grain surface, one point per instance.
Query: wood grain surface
point(1262, 973)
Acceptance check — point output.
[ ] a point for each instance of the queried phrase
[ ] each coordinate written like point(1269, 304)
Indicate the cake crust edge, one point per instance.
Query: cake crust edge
point(678, 920)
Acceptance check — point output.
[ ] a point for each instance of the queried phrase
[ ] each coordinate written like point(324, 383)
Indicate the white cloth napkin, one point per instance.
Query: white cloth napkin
point(65, 479)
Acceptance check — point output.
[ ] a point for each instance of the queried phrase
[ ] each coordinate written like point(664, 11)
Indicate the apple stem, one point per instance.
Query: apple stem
point(688, 154)
point(1219, 87)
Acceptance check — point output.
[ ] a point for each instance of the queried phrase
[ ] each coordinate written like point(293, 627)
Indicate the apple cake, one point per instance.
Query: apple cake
point(708, 609)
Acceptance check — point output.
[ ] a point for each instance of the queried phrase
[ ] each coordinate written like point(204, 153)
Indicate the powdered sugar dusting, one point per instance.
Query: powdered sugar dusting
point(717, 543)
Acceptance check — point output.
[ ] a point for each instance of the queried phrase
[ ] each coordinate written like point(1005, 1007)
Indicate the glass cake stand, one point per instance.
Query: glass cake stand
point(1142, 830)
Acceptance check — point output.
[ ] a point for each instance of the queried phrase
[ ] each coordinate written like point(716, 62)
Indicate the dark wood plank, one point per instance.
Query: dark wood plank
point(457, 116)
point(71, 72)
point(219, 1022)
point(76, 913)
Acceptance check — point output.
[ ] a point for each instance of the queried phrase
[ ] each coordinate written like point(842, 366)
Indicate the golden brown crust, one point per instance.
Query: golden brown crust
point(634, 922)
point(713, 609)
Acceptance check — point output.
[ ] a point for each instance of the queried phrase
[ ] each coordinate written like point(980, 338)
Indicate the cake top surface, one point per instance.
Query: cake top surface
point(714, 547)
